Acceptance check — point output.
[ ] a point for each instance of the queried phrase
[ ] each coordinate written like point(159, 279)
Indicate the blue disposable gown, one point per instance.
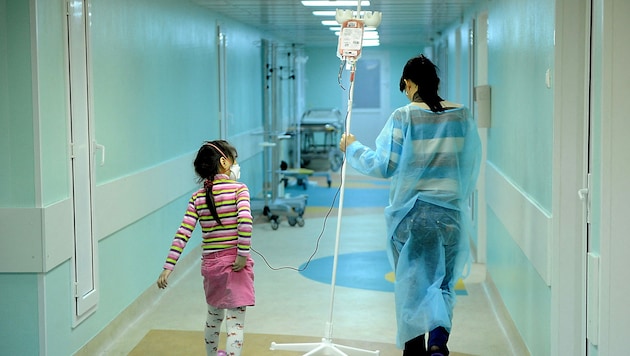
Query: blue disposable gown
point(433, 161)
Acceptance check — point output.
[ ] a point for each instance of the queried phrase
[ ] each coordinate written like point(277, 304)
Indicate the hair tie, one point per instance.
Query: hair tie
point(207, 184)
point(217, 148)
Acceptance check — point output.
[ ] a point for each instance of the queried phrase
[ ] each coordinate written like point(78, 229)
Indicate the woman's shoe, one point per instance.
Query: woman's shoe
point(438, 351)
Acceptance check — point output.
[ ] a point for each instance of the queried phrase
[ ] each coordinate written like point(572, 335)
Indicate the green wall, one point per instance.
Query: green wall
point(322, 89)
point(52, 134)
point(524, 293)
point(520, 50)
point(19, 307)
point(155, 82)
point(16, 109)
point(520, 146)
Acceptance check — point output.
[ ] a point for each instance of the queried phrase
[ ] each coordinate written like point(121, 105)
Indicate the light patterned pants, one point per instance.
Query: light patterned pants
point(234, 323)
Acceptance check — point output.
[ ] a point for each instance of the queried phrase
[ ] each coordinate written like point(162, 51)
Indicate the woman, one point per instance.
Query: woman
point(431, 150)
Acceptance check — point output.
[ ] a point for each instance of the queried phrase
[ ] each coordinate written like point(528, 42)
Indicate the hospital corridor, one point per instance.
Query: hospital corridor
point(119, 118)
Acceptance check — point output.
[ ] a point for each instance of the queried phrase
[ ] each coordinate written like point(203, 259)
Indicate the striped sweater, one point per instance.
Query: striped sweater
point(232, 202)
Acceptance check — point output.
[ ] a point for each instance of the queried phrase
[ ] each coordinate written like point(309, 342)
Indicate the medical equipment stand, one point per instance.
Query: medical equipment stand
point(326, 346)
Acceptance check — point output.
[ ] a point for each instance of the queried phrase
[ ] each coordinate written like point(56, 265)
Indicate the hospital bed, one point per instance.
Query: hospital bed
point(316, 137)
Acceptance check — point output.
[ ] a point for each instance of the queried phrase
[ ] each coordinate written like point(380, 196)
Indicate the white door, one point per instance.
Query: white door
point(568, 270)
point(84, 267)
point(370, 105)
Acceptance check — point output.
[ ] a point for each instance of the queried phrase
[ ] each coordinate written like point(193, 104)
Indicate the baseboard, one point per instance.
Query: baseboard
point(518, 346)
point(100, 342)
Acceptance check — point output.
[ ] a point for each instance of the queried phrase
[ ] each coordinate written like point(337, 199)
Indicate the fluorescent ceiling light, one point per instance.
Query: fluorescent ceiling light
point(335, 23)
point(330, 23)
point(325, 13)
point(370, 43)
point(332, 13)
point(334, 3)
point(365, 29)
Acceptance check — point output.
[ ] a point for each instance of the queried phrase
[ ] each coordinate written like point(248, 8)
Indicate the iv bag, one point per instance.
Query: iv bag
point(350, 40)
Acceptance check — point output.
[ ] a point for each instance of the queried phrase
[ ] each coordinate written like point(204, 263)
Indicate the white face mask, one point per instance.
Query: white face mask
point(235, 171)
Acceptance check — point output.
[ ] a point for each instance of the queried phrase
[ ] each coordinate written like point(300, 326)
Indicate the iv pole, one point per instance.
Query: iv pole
point(326, 346)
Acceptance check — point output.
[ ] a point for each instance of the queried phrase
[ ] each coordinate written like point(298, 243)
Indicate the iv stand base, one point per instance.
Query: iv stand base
point(326, 347)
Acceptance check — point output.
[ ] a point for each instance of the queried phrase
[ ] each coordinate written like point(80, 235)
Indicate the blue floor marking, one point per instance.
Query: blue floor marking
point(363, 270)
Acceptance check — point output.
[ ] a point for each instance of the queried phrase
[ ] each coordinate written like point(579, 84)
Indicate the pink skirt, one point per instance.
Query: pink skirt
point(226, 289)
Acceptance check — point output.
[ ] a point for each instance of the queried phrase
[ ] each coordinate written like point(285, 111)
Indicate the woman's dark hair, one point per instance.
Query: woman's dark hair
point(423, 73)
point(207, 165)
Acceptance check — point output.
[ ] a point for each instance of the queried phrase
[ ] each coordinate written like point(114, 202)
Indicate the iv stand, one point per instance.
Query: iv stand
point(326, 346)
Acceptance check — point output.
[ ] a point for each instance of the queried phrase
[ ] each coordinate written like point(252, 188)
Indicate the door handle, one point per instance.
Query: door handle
point(101, 148)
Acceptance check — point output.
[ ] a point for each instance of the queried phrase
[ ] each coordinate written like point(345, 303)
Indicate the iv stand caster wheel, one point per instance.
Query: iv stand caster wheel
point(274, 224)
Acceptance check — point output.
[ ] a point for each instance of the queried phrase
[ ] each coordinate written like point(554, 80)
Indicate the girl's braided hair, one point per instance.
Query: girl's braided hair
point(207, 165)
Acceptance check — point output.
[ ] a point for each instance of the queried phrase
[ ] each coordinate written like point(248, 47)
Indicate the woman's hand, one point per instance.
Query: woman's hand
point(239, 263)
point(162, 281)
point(346, 140)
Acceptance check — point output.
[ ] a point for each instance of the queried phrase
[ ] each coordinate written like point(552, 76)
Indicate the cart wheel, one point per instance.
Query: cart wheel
point(274, 224)
point(292, 220)
point(300, 221)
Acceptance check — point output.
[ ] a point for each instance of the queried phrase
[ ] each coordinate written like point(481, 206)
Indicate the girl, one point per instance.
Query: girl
point(222, 208)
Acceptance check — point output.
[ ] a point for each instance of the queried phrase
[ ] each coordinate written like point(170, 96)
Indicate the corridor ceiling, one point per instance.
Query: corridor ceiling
point(404, 22)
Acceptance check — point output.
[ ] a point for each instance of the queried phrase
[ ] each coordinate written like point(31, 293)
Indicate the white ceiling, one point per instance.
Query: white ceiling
point(404, 22)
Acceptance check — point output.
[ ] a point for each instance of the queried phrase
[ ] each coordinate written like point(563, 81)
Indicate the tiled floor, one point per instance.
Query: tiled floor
point(288, 303)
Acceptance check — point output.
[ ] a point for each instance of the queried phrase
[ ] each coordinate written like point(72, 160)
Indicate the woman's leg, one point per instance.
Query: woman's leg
point(450, 235)
point(415, 347)
point(438, 338)
point(235, 324)
point(213, 329)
